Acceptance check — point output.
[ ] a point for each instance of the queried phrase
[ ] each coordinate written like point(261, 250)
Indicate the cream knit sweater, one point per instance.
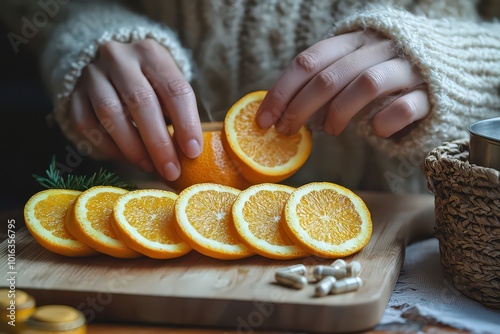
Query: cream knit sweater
point(228, 48)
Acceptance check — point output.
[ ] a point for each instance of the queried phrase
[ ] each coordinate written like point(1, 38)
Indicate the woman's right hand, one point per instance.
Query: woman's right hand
point(126, 93)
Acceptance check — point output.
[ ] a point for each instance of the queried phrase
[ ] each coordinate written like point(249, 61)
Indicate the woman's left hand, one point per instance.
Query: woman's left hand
point(340, 76)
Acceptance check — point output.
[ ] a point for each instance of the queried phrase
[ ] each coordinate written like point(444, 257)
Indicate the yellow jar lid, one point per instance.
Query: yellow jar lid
point(55, 313)
point(23, 300)
point(56, 317)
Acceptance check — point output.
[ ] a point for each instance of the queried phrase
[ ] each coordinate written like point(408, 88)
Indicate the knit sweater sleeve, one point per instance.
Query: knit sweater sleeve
point(81, 28)
point(458, 59)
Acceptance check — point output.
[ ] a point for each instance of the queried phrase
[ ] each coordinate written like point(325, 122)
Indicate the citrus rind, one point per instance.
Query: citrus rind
point(193, 237)
point(214, 165)
point(137, 241)
point(296, 228)
point(67, 245)
point(268, 218)
point(81, 227)
point(252, 170)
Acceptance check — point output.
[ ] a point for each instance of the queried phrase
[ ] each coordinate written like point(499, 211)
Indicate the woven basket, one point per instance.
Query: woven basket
point(467, 210)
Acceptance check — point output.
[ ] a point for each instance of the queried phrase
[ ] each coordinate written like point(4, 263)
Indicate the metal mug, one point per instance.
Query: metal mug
point(484, 146)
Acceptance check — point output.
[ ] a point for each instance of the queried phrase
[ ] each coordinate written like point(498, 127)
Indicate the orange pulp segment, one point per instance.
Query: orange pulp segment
point(262, 155)
point(327, 219)
point(204, 221)
point(258, 215)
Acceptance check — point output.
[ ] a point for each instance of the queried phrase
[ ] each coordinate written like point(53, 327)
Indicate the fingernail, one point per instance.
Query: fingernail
point(146, 166)
point(265, 119)
point(170, 171)
point(193, 148)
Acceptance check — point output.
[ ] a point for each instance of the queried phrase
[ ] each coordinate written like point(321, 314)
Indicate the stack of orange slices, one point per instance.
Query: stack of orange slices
point(220, 216)
point(272, 220)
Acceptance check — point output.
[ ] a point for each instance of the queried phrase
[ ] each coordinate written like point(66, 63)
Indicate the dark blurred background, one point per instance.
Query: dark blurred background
point(27, 141)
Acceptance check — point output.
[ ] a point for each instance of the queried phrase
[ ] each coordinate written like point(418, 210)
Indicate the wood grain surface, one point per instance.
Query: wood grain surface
point(241, 295)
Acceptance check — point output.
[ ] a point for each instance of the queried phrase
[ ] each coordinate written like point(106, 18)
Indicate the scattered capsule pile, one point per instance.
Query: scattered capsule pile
point(339, 277)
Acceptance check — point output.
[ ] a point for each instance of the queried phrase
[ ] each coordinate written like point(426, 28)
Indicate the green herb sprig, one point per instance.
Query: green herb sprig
point(54, 179)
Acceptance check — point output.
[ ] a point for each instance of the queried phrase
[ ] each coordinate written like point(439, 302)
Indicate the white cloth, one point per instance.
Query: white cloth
point(423, 295)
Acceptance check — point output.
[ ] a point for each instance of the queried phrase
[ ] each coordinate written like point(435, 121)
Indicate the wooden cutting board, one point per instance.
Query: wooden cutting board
point(196, 290)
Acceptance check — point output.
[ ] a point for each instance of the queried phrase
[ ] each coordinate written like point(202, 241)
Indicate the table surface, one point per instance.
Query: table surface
point(101, 328)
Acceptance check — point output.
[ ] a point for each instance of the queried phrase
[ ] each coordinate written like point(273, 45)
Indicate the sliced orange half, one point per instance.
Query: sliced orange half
point(144, 220)
point(204, 221)
point(258, 215)
point(45, 213)
point(327, 219)
point(89, 220)
point(262, 155)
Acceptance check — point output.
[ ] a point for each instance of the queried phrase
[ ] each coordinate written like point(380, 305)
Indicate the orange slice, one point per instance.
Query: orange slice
point(258, 215)
point(262, 155)
point(213, 165)
point(144, 220)
point(45, 213)
point(204, 221)
point(327, 219)
point(89, 220)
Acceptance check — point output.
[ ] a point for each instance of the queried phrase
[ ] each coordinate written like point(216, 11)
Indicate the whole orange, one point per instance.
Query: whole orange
point(213, 165)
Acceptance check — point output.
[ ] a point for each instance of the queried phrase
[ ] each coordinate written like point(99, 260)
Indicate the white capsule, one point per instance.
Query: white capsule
point(323, 287)
point(346, 284)
point(353, 268)
point(339, 263)
point(291, 280)
point(299, 269)
point(322, 271)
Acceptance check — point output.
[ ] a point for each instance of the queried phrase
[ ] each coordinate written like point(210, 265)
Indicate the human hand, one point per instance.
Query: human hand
point(128, 90)
point(339, 76)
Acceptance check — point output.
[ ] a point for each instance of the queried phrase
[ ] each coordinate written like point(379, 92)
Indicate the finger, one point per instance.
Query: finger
point(317, 121)
point(87, 126)
point(300, 71)
point(380, 80)
point(404, 111)
point(177, 96)
point(329, 82)
point(143, 105)
point(112, 116)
